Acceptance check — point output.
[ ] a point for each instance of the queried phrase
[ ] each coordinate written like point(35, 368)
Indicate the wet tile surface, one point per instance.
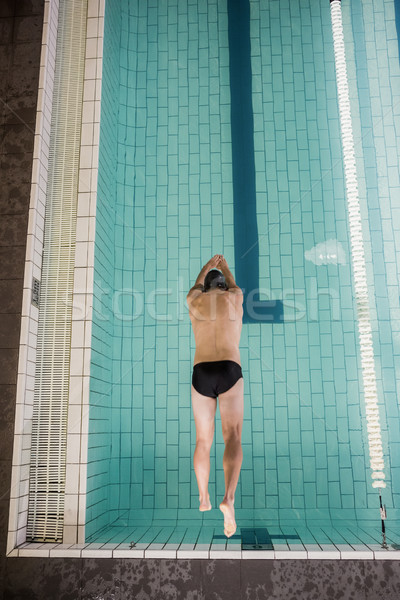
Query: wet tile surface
point(5, 59)
point(24, 579)
point(6, 30)
point(220, 579)
point(4, 527)
point(382, 580)
point(20, 8)
point(17, 138)
point(9, 330)
point(7, 8)
point(7, 394)
point(12, 263)
point(181, 579)
point(11, 294)
point(20, 38)
point(318, 579)
point(6, 439)
point(158, 579)
point(8, 366)
point(256, 579)
point(27, 28)
point(28, 7)
point(99, 576)
point(5, 472)
point(17, 115)
point(8, 166)
point(14, 198)
point(140, 578)
point(13, 229)
point(62, 579)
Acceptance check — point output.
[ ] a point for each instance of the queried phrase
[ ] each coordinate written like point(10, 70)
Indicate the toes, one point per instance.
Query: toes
point(229, 528)
point(229, 533)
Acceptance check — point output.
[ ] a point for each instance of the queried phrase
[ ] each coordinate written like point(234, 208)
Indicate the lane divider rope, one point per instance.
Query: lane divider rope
point(357, 252)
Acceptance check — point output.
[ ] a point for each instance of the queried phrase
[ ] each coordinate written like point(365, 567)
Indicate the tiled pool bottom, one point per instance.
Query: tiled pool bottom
point(257, 542)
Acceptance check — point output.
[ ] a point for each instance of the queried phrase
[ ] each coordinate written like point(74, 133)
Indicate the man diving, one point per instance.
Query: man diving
point(216, 311)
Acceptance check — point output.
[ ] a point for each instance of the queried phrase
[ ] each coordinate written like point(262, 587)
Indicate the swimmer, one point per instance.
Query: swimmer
point(216, 311)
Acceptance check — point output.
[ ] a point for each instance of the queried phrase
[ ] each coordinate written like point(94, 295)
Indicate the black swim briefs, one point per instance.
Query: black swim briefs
point(215, 377)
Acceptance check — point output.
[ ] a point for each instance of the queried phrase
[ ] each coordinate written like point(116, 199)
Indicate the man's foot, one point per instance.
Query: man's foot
point(226, 507)
point(205, 504)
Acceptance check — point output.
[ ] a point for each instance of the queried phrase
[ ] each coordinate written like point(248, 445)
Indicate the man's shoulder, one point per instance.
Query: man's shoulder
point(236, 290)
point(195, 292)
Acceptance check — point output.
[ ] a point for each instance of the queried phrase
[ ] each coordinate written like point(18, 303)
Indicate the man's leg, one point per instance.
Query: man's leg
point(204, 409)
point(231, 409)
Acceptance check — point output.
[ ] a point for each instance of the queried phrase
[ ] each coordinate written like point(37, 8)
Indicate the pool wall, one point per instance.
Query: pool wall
point(99, 475)
point(83, 292)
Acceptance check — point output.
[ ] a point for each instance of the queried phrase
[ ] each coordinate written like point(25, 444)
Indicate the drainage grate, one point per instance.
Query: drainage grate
point(256, 539)
point(45, 519)
point(35, 292)
point(260, 539)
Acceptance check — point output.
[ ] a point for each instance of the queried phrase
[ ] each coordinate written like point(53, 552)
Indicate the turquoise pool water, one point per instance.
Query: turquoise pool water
point(175, 187)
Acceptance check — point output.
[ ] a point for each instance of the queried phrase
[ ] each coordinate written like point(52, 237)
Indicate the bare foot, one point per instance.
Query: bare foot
point(205, 504)
point(229, 517)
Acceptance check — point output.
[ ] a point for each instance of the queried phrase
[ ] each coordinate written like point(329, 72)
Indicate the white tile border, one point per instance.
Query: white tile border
point(173, 551)
point(78, 411)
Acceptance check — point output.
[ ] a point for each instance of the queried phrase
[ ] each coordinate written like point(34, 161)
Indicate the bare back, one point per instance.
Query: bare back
point(216, 318)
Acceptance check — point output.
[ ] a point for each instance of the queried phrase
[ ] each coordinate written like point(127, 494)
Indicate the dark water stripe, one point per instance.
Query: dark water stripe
point(397, 19)
point(243, 166)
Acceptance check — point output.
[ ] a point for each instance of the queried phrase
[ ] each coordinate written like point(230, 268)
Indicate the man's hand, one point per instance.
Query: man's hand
point(222, 262)
point(223, 266)
point(196, 290)
point(214, 262)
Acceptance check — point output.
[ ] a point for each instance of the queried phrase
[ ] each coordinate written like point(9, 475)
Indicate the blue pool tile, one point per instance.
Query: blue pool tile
point(170, 185)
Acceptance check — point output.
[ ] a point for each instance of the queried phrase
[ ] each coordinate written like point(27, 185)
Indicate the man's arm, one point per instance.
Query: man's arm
point(229, 278)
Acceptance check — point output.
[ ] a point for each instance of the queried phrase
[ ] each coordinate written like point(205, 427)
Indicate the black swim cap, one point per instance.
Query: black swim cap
point(214, 279)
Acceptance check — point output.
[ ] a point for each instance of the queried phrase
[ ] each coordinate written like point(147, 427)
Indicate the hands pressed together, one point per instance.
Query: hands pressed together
point(216, 262)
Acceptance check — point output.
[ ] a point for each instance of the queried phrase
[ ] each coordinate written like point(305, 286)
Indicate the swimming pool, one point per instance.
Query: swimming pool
point(193, 162)
point(173, 205)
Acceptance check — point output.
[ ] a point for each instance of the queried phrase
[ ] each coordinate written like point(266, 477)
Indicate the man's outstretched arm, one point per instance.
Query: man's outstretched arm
point(229, 278)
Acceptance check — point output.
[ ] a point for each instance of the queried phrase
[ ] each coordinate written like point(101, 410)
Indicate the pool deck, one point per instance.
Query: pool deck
point(336, 544)
point(150, 569)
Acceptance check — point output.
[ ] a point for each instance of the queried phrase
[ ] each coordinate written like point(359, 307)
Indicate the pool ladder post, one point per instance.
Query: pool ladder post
point(383, 517)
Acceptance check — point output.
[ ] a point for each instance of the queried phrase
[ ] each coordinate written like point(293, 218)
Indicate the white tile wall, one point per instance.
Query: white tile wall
point(78, 419)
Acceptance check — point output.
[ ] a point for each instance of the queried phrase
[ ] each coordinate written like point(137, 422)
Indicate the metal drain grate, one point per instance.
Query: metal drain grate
point(50, 408)
point(256, 539)
point(259, 538)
